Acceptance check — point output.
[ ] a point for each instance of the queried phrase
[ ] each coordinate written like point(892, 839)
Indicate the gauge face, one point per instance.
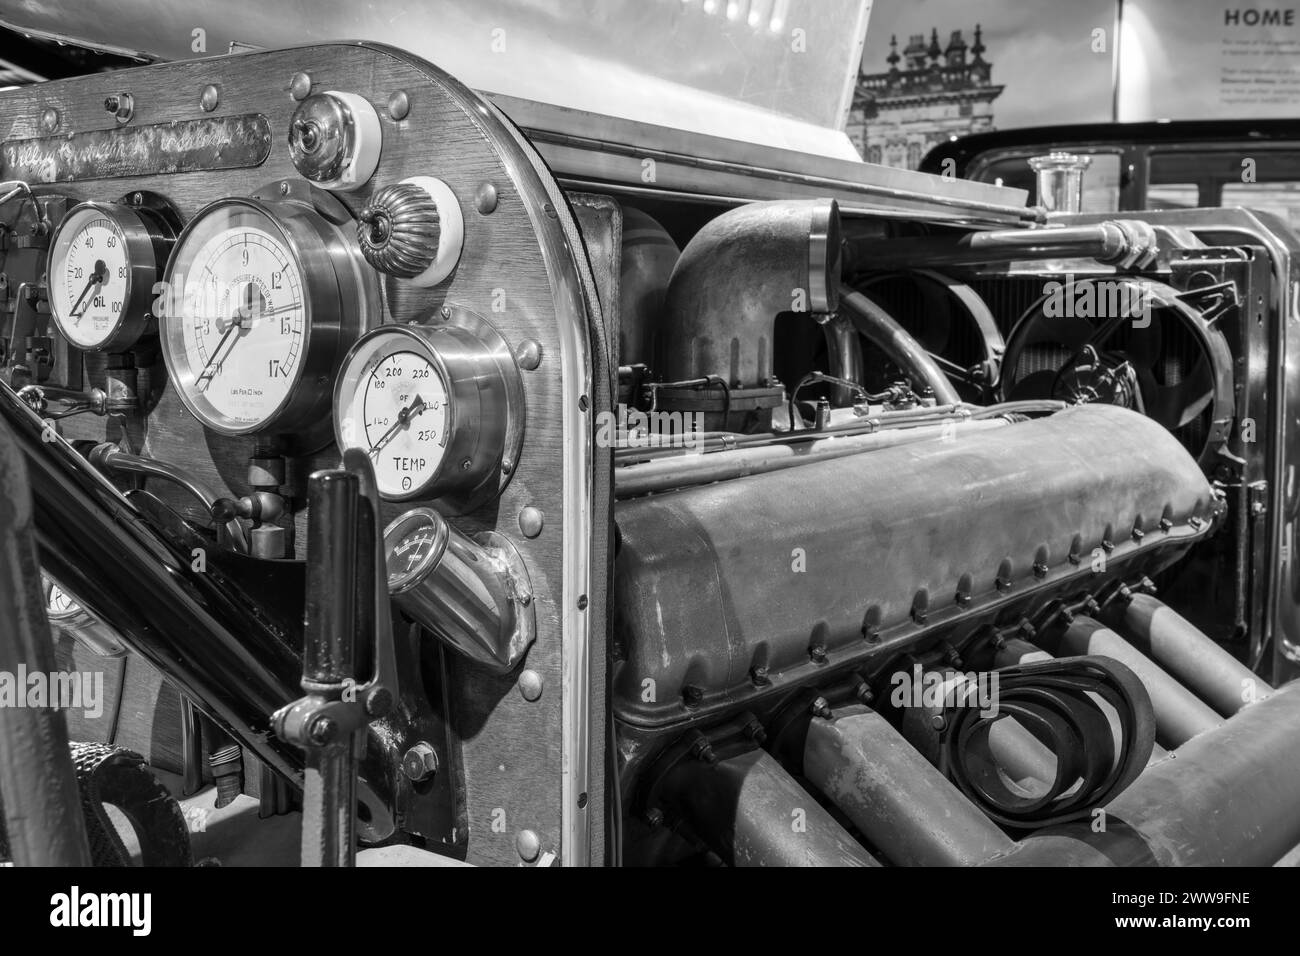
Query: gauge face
point(238, 324)
point(413, 544)
point(101, 272)
point(394, 404)
point(59, 603)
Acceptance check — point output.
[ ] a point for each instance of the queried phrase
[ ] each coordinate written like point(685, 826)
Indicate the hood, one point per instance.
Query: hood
point(773, 72)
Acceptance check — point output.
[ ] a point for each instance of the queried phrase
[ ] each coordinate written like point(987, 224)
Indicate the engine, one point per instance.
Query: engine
point(419, 479)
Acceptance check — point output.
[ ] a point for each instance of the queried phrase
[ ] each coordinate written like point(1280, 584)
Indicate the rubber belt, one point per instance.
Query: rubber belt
point(1058, 702)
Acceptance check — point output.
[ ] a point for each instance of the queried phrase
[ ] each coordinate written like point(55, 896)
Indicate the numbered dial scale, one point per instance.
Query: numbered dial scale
point(104, 261)
point(262, 299)
point(438, 407)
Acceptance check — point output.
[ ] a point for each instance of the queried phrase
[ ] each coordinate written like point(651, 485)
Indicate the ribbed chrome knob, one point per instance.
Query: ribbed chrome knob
point(399, 230)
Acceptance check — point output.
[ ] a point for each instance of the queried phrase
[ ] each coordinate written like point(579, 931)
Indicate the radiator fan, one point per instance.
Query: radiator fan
point(1125, 342)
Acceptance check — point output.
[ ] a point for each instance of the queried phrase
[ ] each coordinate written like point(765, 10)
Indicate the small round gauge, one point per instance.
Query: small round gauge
point(67, 616)
point(413, 545)
point(59, 604)
point(262, 298)
point(104, 261)
point(438, 408)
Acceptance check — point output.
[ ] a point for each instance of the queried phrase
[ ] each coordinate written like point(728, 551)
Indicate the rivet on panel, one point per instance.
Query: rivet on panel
point(399, 105)
point(49, 119)
point(528, 844)
point(528, 354)
point(530, 521)
point(530, 685)
point(300, 86)
point(485, 199)
point(210, 97)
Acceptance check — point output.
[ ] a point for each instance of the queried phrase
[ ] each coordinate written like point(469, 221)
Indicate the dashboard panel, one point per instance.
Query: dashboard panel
point(283, 209)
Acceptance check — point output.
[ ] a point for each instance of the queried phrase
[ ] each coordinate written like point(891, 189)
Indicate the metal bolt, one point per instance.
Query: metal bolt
point(300, 86)
point(399, 105)
point(49, 119)
point(1040, 570)
point(209, 98)
point(465, 465)
point(322, 730)
point(701, 749)
point(121, 105)
point(284, 189)
point(420, 762)
point(755, 732)
point(864, 694)
point(485, 199)
point(938, 722)
point(507, 466)
point(529, 845)
point(1138, 533)
point(817, 653)
point(1165, 524)
point(692, 695)
point(530, 521)
point(528, 354)
point(758, 674)
point(1107, 545)
point(820, 708)
point(530, 685)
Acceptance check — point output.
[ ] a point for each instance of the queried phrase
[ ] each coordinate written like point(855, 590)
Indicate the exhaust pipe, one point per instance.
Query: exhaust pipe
point(1230, 798)
point(753, 813)
point(894, 796)
point(1188, 654)
point(1180, 715)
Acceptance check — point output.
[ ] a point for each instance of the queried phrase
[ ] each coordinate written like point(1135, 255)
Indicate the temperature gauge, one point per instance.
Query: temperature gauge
point(438, 408)
point(104, 261)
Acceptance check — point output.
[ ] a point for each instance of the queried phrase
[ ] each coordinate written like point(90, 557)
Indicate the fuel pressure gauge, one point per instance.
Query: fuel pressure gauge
point(438, 407)
point(103, 263)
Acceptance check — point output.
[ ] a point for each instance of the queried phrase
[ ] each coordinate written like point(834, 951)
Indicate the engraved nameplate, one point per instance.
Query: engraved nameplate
point(230, 142)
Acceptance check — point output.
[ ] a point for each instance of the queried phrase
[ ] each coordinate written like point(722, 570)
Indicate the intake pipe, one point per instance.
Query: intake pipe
point(1182, 649)
point(735, 276)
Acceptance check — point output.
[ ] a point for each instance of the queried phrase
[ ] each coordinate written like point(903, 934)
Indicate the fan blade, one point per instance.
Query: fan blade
point(1177, 405)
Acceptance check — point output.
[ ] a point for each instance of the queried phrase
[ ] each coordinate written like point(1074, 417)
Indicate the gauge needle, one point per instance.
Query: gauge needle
point(96, 280)
point(236, 324)
point(403, 417)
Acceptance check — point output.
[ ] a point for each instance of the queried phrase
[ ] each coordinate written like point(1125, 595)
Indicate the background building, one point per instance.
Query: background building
point(928, 94)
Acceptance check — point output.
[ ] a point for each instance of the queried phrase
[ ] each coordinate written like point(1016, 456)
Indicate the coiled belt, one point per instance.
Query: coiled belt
point(1060, 703)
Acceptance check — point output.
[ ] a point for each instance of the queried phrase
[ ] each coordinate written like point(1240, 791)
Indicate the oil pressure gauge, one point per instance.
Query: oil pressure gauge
point(264, 297)
point(103, 263)
point(438, 407)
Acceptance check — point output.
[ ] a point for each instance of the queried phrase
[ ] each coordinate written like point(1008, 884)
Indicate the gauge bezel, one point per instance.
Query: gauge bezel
point(398, 529)
point(144, 243)
point(320, 253)
point(485, 419)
